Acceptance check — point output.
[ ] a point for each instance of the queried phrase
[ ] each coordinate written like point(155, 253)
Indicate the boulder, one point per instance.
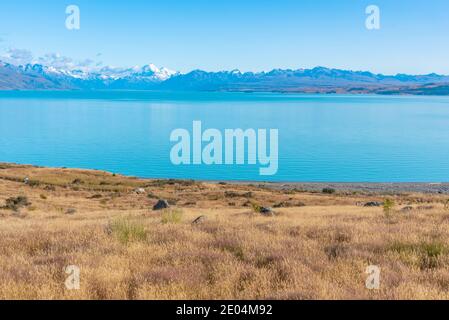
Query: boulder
point(266, 211)
point(161, 204)
point(373, 204)
point(139, 190)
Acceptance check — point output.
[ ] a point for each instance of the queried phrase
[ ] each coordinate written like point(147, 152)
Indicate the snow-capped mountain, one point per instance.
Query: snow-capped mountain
point(38, 76)
point(147, 72)
point(150, 77)
point(319, 79)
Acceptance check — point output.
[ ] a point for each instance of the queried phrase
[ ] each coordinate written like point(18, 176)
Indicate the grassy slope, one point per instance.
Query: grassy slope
point(124, 251)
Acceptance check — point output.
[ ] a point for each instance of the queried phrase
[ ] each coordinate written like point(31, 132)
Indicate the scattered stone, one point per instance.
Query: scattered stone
point(139, 190)
point(199, 220)
point(407, 208)
point(373, 204)
point(70, 211)
point(26, 180)
point(161, 204)
point(266, 211)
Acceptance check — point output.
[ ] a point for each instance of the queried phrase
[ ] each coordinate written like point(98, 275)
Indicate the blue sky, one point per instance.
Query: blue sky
point(227, 34)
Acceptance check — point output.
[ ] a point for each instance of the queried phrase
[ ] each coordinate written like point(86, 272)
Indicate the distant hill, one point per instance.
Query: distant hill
point(149, 77)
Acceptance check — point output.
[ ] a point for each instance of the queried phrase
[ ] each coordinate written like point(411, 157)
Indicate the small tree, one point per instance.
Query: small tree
point(388, 207)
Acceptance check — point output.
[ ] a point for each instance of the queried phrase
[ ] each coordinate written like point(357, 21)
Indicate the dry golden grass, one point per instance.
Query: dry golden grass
point(127, 251)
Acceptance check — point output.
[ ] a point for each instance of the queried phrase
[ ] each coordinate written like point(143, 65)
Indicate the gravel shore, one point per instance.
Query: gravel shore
point(378, 188)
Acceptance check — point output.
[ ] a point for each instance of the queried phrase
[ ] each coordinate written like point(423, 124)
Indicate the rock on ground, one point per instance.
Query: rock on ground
point(161, 204)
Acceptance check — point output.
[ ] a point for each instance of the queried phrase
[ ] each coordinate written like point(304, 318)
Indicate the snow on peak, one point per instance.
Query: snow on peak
point(149, 72)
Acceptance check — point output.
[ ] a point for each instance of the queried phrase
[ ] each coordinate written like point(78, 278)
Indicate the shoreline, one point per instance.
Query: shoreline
point(342, 187)
point(243, 92)
point(366, 187)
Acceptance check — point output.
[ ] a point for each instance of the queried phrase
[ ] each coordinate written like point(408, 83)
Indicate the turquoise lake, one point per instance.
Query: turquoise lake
point(321, 137)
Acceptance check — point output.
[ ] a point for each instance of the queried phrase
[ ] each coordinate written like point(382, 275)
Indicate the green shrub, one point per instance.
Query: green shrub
point(328, 190)
point(127, 230)
point(172, 216)
point(256, 208)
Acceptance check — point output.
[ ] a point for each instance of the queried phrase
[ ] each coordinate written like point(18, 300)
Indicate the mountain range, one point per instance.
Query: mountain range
point(150, 77)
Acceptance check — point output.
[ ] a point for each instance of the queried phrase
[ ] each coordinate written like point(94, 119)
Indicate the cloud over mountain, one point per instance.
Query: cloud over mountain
point(17, 56)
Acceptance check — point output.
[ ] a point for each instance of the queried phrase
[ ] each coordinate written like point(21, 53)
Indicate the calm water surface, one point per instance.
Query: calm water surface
point(321, 137)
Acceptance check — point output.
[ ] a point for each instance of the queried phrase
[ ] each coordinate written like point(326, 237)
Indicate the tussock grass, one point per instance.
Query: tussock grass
point(127, 230)
point(318, 251)
point(171, 216)
point(425, 255)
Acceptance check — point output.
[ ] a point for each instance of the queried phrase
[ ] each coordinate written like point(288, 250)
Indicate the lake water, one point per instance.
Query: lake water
point(321, 137)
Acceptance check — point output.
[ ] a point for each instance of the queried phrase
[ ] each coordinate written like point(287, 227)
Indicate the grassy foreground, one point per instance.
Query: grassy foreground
point(317, 246)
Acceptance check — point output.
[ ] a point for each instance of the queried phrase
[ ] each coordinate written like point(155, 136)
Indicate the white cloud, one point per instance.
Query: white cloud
point(59, 63)
point(17, 56)
point(56, 60)
point(22, 57)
